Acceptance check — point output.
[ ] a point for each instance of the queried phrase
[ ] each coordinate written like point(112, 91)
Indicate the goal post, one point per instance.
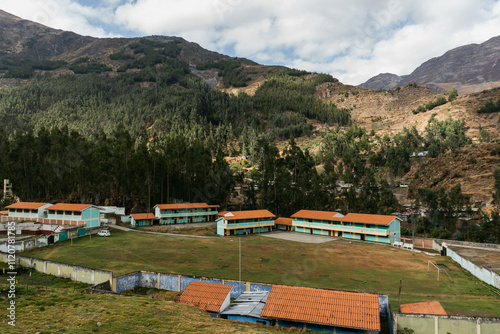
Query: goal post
point(435, 266)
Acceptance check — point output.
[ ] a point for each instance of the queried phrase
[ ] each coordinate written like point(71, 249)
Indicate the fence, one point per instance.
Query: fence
point(76, 273)
point(443, 324)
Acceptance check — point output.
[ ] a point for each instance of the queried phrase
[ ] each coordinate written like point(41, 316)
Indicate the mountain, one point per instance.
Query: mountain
point(383, 81)
point(469, 68)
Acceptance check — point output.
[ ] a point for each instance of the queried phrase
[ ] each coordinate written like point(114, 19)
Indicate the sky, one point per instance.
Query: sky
point(353, 40)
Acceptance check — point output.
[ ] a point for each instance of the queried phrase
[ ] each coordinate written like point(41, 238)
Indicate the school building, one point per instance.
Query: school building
point(185, 213)
point(142, 219)
point(86, 215)
point(26, 211)
point(357, 226)
point(245, 222)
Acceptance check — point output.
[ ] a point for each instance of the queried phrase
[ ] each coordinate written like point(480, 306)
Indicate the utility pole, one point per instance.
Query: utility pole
point(399, 304)
point(240, 264)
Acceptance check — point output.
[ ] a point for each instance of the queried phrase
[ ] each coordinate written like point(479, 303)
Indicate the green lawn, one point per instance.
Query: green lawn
point(338, 264)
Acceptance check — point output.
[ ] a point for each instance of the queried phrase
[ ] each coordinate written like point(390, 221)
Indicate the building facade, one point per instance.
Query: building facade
point(185, 213)
point(357, 226)
point(245, 222)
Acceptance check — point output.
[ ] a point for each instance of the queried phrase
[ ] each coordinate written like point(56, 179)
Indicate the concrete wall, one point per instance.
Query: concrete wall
point(440, 324)
point(483, 274)
point(178, 283)
point(76, 273)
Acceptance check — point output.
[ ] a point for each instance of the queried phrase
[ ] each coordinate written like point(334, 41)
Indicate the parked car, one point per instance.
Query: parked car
point(104, 233)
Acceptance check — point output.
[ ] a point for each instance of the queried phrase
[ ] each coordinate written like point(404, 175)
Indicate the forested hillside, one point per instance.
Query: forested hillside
point(144, 121)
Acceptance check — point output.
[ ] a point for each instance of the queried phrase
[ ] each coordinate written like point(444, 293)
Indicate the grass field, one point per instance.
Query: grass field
point(337, 264)
point(55, 305)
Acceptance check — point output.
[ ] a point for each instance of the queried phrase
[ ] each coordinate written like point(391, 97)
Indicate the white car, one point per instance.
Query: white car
point(104, 233)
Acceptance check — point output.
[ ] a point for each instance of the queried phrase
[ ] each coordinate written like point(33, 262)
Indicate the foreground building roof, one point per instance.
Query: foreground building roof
point(208, 296)
point(432, 307)
point(326, 307)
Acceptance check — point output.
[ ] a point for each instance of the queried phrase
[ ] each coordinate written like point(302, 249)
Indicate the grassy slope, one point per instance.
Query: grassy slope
point(338, 264)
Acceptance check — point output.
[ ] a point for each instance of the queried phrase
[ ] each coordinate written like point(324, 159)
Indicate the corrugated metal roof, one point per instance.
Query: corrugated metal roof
point(368, 219)
point(432, 307)
point(68, 207)
point(335, 308)
point(283, 221)
point(322, 215)
point(26, 205)
point(250, 214)
point(186, 206)
point(249, 304)
point(140, 216)
point(208, 296)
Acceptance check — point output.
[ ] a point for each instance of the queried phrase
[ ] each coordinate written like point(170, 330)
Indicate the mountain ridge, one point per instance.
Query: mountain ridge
point(469, 68)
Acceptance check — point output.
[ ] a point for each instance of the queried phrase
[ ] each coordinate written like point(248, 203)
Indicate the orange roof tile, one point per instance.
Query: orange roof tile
point(140, 216)
point(368, 219)
point(185, 206)
point(321, 215)
point(208, 296)
point(26, 205)
point(335, 308)
point(432, 307)
point(250, 214)
point(69, 207)
point(6, 212)
point(222, 213)
point(283, 221)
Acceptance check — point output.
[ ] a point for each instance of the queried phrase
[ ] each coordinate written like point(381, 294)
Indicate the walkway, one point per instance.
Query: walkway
point(298, 237)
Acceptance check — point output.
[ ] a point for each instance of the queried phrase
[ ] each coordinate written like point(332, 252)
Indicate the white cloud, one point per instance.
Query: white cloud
point(352, 40)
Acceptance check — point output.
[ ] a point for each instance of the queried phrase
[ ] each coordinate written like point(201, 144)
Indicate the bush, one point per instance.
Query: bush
point(489, 107)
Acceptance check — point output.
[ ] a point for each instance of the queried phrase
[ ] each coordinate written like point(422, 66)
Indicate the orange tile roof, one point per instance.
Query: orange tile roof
point(335, 308)
point(283, 221)
point(140, 216)
point(250, 214)
point(208, 296)
point(69, 207)
point(26, 205)
point(6, 212)
point(222, 213)
point(432, 307)
point(321, 215)
point(368, 219)
point(185, 206)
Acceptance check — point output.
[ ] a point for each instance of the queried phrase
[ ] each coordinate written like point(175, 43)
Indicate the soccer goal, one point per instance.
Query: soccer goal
point(434, 265)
